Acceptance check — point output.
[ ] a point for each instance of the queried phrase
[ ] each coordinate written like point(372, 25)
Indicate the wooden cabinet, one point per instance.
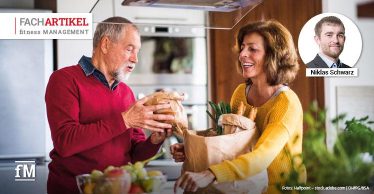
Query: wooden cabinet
point(222, 70)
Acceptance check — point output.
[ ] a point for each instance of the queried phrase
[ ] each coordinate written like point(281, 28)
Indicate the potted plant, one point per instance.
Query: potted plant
point(349, 166)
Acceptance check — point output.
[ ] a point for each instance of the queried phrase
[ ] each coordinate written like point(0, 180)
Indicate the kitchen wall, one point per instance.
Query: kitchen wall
point(364, 64)
point(70, 51)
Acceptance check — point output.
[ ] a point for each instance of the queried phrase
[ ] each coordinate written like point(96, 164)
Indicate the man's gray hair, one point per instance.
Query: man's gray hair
point(112, 28)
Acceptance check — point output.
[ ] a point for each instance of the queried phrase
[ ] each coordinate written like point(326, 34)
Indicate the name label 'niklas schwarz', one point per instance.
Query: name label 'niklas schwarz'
point(331, 72)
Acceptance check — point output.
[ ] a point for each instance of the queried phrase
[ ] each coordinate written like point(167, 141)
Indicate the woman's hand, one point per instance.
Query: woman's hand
point(191, 181)
point(177, 150)
point(158, 137)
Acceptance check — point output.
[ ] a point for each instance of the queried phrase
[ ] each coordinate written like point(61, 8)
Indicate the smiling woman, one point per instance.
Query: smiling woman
point(274, 41)
point(251, 55)
point(268, 61)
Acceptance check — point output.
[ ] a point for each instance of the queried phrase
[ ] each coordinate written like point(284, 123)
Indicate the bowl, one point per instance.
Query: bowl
point(103, 185)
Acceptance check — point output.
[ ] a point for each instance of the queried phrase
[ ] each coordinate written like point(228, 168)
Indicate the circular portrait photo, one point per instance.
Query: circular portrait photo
point(330, 40)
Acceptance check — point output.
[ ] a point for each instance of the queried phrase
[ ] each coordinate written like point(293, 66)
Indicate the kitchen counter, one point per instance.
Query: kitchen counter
point(168, 188)
point(168, 167)
point(171, 169)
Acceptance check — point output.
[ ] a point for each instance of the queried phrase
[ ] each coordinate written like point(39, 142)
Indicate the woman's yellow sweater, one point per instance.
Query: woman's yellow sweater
point(280, 122)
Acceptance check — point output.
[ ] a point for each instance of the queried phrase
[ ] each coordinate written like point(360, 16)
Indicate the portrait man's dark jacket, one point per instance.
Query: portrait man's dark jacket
point(317, 62)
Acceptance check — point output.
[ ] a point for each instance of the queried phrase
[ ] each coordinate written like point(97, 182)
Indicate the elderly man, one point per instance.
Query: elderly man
point(330, 37)
point(94, 118)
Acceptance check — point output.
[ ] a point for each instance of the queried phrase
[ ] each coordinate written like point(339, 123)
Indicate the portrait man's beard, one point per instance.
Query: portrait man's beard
point(121, 74)
point(332, 52)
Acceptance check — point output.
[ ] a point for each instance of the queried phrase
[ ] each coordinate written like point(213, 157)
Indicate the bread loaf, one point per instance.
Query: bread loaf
point(176, 109)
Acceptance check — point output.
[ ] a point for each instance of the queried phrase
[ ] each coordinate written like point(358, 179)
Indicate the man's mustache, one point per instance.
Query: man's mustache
point(336, 45)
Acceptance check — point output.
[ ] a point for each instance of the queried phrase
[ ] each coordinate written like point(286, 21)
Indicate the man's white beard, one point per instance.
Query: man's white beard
point(121, 75)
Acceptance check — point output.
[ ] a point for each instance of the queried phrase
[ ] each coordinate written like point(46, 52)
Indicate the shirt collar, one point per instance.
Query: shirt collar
point(89, 69)
point(86, 65)
point(328, 61)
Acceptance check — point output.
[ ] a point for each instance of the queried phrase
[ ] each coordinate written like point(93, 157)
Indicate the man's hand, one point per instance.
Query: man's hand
point(177, 150)
point(191, 181)
point(141, 116)
point(158, 137)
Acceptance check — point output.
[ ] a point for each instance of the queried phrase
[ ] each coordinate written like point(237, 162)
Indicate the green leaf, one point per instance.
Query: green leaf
point(364, 118)
point(222, 107)
point(162, 152)
point(219, 130)
point(339, 118)
point(210, 115)
point(321, 115)
point(313, 106)
point(217, 111)
point(211, 105)
point(228, 108)
point(309, 119)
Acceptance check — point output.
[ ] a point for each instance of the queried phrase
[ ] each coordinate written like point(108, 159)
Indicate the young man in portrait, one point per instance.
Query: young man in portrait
point(330, 37)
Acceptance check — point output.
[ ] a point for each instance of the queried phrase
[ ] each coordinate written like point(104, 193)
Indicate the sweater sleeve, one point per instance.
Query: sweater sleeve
point(68, 134)
point(142, 148)
point(237, 97)
point(276, 134)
